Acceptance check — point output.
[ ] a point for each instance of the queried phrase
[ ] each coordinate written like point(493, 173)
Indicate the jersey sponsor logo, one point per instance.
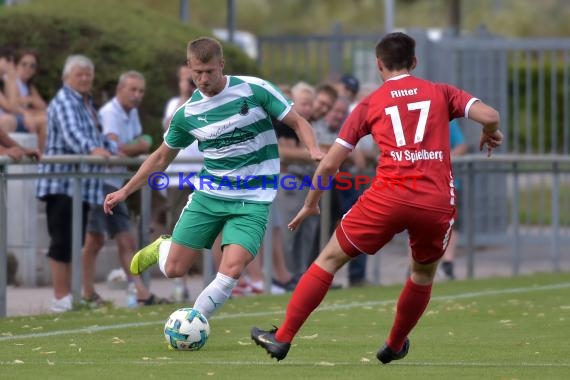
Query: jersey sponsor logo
point(236, 137)
point(244, 110)
point(203, 118)
point(413, 156)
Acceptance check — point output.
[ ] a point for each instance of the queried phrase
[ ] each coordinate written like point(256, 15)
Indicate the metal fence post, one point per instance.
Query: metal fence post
point(183, 10)
point(268, 253)
point(76, 237)
point(325, 218)
point(336, 64)
point(470, 220)
point(555, 250)
point(144, 226)
point(515, 220)
point(3, 240)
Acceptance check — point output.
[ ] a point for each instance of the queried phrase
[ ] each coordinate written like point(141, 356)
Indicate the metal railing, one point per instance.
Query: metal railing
point(510, 168)
point(519, 172)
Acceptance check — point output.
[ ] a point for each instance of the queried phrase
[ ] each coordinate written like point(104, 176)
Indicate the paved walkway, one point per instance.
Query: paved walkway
point(388, 268)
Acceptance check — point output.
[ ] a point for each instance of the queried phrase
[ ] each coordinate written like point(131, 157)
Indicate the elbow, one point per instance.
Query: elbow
point(328, 167)
point(484, 114)
point(492, 117)
point(487, 116)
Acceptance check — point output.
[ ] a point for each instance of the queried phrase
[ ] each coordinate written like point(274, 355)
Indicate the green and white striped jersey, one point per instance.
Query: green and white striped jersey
point(236, 135)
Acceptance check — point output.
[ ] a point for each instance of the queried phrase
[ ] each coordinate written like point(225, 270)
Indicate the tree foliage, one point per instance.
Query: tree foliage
point(117, 37)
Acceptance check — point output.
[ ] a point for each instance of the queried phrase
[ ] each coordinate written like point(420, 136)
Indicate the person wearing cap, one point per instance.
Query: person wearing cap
point(348, 87)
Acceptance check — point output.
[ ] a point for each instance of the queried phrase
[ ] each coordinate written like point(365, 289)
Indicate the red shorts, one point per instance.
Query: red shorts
point(372, 222)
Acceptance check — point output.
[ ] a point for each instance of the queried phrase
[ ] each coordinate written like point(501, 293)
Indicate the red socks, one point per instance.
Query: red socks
point(314, 285)
point(411, 305)
point(307, 296)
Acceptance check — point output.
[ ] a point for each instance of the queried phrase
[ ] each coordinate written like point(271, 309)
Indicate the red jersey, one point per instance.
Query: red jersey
point(408, 118)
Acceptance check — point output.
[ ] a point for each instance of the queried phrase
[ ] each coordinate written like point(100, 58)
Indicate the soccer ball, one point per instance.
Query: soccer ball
point(186, 329)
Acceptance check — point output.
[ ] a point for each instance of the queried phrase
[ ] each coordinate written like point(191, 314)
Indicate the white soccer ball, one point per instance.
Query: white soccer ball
point(186, 329)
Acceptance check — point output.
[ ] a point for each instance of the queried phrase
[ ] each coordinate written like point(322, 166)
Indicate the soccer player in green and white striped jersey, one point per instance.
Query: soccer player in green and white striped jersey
point(230, 116)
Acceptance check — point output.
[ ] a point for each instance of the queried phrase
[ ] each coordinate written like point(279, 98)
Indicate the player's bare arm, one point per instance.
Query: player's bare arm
point(327, 168)
point(158, 161)
point(296, 154)
point(489, 118)
point(305, 133)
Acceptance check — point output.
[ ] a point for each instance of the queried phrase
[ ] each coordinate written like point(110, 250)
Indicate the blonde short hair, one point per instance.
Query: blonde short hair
point(302, 87)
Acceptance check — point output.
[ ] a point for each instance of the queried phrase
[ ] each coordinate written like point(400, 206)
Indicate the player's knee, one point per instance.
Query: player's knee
point(172, 270)
point(233, 270)
point(331, 259)
point(423, 274)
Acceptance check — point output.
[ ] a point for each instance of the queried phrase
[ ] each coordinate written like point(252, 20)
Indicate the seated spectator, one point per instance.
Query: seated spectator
point(31, 104)
point(23, 110)
point(9, 92)
point(10, 148)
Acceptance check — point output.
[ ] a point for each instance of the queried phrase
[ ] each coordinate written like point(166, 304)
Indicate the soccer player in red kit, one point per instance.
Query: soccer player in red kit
point(408, 118)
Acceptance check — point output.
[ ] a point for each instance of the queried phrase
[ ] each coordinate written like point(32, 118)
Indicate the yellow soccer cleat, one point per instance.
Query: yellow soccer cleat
point(148, 256)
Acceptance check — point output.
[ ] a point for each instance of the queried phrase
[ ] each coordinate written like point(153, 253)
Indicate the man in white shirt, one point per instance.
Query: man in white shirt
point(121, 123)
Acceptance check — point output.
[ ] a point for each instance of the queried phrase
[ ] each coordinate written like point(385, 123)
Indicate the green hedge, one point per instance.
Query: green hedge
point(117, 36)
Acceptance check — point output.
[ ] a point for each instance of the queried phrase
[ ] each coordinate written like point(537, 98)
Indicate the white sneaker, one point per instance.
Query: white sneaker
point(275, 289)
point(63, 304)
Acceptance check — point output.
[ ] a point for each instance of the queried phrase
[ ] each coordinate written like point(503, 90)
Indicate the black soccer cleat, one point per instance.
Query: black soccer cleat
point(266, 339)
point(386, 355)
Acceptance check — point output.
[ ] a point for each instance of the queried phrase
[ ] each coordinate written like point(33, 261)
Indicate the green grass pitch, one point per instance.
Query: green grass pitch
point(508, 328)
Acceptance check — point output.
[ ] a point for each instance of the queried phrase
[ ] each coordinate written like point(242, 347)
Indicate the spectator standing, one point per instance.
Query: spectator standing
point(327, 130)
point(299, 247)
point(73, 128)
point(121, 124)
point(348, 86)
point(325, 96)
point(458, 148)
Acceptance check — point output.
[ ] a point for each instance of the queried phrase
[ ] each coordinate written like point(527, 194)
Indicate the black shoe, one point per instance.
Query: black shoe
point(386, 355)
point(288, 286)
point(447, 268)
point(153, 300)
point(360, 283)
point(266, 339)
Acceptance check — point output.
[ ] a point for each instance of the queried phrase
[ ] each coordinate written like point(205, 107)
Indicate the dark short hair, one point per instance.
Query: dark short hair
point(6, 53)
point(327, 88)
point(396, 51)
point(22, 53)
point(205, 49)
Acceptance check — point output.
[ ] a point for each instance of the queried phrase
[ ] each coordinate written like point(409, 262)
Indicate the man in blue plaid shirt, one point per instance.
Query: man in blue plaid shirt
point(73, 128)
